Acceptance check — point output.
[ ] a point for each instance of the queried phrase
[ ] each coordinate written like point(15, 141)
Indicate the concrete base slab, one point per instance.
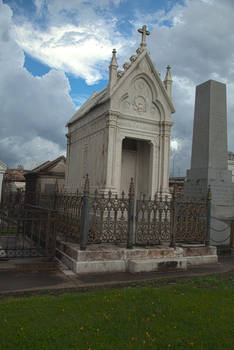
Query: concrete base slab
point(100, 266)
point(168, 264)
point(201, 260)
point(108, 258)
point(198, 250)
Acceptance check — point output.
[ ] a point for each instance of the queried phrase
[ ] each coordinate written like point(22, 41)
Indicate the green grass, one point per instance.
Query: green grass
point(196, 313)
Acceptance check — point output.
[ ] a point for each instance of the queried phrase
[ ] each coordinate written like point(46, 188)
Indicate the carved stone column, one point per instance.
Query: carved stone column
point(154, 162)
point(111, 125)
point(165, 156)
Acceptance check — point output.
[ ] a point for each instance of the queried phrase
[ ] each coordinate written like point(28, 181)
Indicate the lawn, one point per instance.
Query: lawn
point(196, 313)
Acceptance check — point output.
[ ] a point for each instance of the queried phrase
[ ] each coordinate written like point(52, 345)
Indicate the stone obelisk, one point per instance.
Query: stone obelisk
point(209, 164)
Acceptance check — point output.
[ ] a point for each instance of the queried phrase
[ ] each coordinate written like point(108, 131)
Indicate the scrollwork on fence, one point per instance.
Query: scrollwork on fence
point(97, 218)
point(108, 218)
point(153, 220)
point(68, 214)
point(191, 221)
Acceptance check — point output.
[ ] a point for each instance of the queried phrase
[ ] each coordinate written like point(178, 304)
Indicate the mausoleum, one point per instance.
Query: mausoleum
point(124, 130)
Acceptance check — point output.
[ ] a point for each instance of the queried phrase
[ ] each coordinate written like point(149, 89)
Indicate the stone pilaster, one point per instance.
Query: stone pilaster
point(154, 165)
point(111, 129)
point(164, 151)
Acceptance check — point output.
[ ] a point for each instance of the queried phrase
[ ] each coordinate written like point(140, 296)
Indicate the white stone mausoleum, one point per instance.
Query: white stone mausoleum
point(124, 130)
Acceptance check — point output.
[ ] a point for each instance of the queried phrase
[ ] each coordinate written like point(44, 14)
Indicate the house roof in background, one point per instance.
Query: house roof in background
point(15, 175)
point(46, 165)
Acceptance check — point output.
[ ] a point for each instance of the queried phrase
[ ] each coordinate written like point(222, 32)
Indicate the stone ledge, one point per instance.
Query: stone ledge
point(149, 265)
point(198, 250)
point(201, 260)
point(113, 252)
point(100, 266)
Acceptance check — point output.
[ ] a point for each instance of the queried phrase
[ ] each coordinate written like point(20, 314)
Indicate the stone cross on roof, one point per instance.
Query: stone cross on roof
point(144, 32)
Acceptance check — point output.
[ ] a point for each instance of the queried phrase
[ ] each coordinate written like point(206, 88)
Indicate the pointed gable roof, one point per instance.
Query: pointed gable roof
point(144, 54)
point(98, 98)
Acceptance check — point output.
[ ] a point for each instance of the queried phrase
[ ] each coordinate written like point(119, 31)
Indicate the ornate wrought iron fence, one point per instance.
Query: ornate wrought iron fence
point(26, 232)
point(153, 220)
point(68, 208)
point(108, 218)
point(191, 221)
point(99, 218)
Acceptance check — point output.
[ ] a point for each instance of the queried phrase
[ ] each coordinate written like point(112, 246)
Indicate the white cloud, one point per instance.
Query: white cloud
point(199, 47)
point(34, 110)
point(78, 36)
point(77, 50)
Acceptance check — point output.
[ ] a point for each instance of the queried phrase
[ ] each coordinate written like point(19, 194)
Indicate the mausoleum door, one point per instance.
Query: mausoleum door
point(135, 164)
point(129, 159)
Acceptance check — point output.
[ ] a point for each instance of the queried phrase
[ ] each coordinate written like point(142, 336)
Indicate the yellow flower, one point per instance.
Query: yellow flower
point(97, 329)
point(153, 315)
point(152, 302)
point(5, 320)
point(82, 328)
point(21, 329)
point(133, 338)
point(62, 310)
point(191, 343)
point(169, 345)
point(174, 327)
point(144, 342)
point(147, 334)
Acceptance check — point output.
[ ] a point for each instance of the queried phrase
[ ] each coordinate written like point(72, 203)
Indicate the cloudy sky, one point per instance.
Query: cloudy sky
point(55, 53)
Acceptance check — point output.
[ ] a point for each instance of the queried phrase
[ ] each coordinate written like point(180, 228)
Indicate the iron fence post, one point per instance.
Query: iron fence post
point(131, 214)
point(85, 216)
point(207, 239)
point(173, 220)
